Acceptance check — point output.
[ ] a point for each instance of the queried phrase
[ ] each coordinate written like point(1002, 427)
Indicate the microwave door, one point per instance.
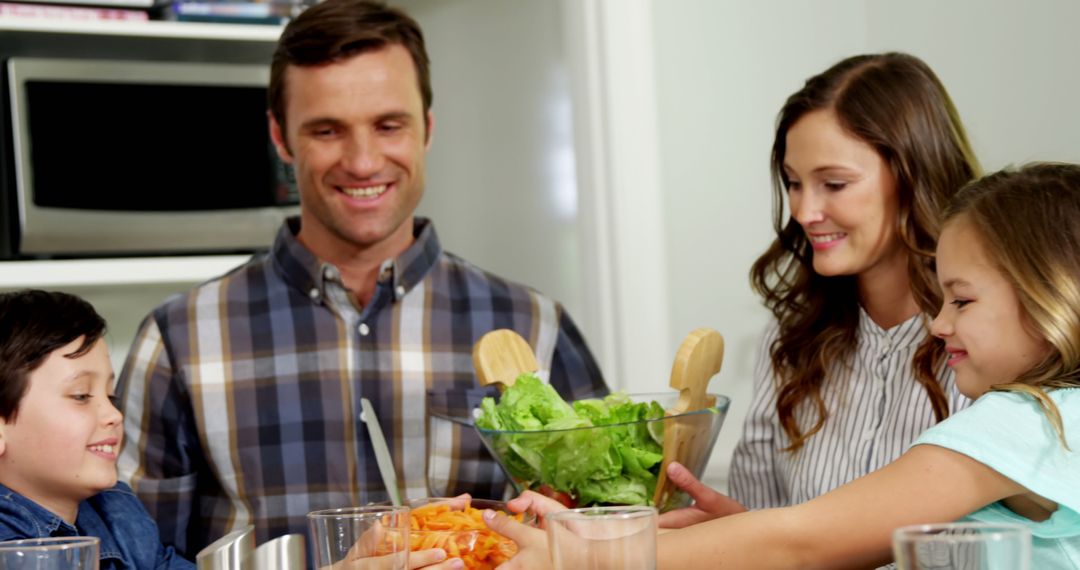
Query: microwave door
point(134, 157)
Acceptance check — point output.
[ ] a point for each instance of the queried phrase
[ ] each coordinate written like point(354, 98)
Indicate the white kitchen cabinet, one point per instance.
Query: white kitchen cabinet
point(149, 29)
point(122, 290)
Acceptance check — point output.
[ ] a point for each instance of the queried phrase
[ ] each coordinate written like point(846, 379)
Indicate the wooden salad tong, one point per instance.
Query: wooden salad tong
point(699, 359)
point(500, 356)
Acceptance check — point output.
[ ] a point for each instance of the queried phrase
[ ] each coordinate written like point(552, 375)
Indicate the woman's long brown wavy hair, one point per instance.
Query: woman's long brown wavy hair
point(896, 104)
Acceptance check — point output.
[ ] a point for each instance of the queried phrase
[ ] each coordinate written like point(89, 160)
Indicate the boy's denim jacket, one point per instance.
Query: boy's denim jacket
point(129, 537)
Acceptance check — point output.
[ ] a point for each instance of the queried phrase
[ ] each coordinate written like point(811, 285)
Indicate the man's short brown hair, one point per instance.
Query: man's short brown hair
point(336, 30)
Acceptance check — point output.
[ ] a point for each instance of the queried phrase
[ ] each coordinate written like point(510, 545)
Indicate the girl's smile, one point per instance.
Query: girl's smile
point(955, 355)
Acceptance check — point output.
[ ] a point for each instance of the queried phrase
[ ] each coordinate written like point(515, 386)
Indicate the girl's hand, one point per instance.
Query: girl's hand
point(535, 503)
point(433, 559)
point(532, 542)
point(708, 504)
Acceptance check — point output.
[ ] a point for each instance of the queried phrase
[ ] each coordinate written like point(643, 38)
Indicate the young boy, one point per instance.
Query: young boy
point(60, 434)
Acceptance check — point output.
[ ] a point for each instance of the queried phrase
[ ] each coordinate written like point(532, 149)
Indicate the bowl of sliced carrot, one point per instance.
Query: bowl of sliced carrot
point(456, 526)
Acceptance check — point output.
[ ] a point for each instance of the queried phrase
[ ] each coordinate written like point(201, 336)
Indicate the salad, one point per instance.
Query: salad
point(538, 438)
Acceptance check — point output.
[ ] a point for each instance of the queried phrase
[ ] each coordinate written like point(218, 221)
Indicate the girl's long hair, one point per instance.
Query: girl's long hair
point(896, 104)
point(1027, 222)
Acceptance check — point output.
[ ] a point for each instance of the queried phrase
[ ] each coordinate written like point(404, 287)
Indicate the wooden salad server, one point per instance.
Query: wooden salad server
point(698, 360)
point(500, 356)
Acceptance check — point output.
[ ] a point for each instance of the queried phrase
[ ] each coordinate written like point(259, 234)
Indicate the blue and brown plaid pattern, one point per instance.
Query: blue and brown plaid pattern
point(242, 397)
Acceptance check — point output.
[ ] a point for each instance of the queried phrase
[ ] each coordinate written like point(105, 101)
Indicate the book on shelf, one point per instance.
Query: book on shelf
point(232, 11)
point(96, 4)
point(69, 12)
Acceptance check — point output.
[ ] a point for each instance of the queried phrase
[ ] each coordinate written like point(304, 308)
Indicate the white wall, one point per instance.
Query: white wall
point(501, 179)
point(725, 68)
point(1010, 66)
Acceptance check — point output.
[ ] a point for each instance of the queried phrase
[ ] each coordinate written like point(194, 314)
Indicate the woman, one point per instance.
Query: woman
point(868, 154)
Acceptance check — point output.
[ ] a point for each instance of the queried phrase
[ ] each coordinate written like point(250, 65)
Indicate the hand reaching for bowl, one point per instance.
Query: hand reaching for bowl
point(532, 542)
point(366, 555)
point(369, 552)
point(708, 503)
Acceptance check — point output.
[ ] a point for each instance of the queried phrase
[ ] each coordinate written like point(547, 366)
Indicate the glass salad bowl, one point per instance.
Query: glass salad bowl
point(605, 452)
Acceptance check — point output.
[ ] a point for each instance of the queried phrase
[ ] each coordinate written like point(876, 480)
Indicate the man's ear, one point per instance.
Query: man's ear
point(429, 130)
point(3, 438)
point(278, 138)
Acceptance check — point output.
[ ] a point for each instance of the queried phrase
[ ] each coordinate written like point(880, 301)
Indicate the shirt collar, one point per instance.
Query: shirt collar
point(908, 333)
point(303, 270)
point(87, 519)
point(42, 517)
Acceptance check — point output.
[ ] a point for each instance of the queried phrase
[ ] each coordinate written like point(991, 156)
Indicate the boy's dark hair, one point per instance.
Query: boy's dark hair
point(34, 323)
point(335, 30)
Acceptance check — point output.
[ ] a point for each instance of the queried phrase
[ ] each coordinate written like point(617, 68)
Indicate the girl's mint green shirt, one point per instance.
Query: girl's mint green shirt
point(1010, 433)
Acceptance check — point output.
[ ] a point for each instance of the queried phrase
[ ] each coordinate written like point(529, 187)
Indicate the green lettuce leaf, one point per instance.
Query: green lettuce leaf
point(617, 463)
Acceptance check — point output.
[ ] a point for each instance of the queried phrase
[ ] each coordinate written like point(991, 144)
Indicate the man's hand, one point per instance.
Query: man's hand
point(708, 504)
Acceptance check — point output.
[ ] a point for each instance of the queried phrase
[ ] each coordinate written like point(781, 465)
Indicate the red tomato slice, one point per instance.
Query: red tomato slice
point(564, 498)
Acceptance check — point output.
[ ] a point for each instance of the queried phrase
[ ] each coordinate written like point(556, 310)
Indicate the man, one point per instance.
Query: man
point(242, 397)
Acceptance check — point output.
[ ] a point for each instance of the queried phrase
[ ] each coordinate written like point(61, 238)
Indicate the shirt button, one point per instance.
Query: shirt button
point(314, 294)
point(400, 291)
point(328, 273)
point(364, 329)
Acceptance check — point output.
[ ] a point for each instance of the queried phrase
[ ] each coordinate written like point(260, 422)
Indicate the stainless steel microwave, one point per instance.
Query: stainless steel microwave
point(138, 157)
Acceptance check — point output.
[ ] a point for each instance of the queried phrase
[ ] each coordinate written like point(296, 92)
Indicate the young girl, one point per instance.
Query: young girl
point(1008, 262)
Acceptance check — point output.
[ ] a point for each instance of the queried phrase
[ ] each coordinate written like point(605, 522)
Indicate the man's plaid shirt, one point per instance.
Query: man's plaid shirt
point(242, 397)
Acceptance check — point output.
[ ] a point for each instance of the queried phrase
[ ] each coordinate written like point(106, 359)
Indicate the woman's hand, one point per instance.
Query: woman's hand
point(708, 504)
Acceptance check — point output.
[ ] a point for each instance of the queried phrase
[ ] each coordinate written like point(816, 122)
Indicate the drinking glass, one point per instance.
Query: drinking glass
point(962, 546)
point(60, 553)
point(603, 538)
point(367, 538)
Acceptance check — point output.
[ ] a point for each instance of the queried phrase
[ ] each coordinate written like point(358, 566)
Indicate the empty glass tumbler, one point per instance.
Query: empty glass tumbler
point(962, 546)
point(603, 538)
point(362, 538)
point(60, 553)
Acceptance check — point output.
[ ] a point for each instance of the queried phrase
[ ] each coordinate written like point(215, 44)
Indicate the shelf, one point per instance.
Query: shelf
point(153, 29)
point(126, 271)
